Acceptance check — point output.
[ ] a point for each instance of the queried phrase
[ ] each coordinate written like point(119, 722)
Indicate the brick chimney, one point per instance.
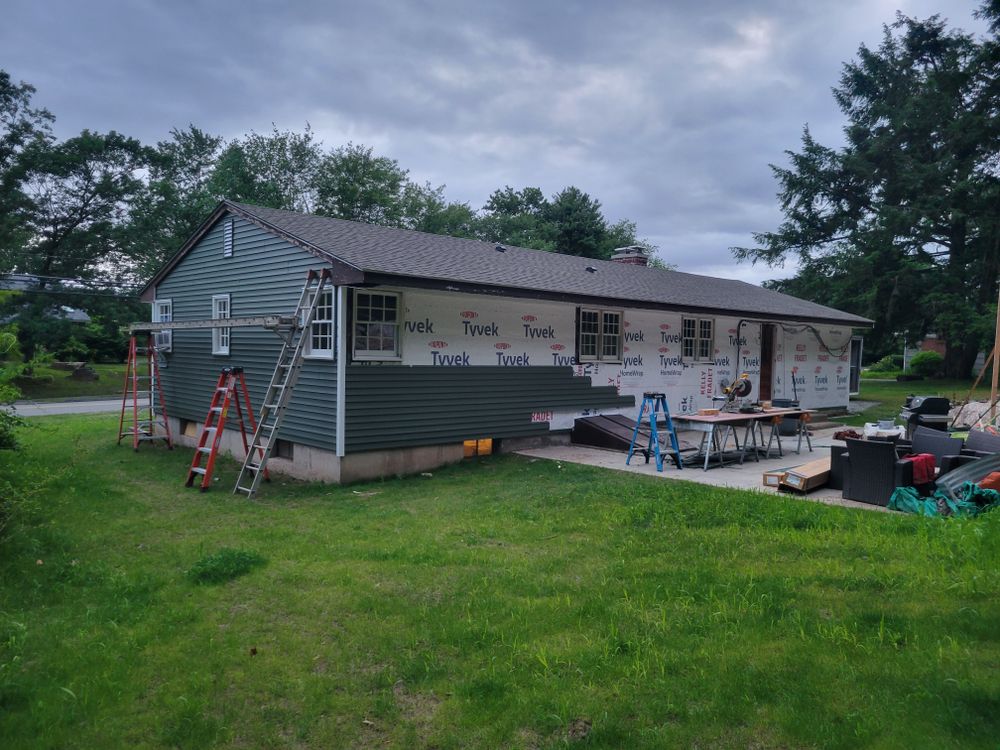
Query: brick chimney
point(633, 255)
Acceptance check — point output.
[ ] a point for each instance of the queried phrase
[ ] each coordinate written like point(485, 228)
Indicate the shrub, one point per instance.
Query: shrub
point(224, 565)
point(888, 363)
point(926, 364)
point(73, 350)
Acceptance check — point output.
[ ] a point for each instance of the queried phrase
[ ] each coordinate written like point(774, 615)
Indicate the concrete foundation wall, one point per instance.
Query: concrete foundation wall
point(316, 464)
point(510, 445)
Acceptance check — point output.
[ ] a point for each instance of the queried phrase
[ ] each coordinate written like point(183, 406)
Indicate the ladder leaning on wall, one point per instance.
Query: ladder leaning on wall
point(279, 390)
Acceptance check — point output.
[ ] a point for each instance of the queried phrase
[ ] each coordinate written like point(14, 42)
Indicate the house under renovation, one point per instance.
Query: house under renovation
point(423, 345)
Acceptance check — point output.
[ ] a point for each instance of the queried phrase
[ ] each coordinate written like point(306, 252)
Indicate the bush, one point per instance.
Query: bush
point(73, 350)
point(926, 364)
point(888, 363)
point(224, 565)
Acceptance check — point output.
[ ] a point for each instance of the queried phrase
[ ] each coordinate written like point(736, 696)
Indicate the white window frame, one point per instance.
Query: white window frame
point(228, 238)
point(381, 355)
point(601, 348)
point(221, 336)
point(316, 333)
point(163, 340)
point(701, 347)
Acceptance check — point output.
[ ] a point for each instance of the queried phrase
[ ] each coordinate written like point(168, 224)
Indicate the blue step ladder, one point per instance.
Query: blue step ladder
point(656, 404)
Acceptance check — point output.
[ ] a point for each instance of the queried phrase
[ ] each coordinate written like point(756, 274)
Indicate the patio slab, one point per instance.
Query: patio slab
point(749, 476)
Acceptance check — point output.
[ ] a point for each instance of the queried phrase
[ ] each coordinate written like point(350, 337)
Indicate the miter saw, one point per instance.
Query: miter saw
point(733, 392)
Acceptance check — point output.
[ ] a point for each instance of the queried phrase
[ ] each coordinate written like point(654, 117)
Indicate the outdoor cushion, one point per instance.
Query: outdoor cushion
point(991, 481)
point(923, 467)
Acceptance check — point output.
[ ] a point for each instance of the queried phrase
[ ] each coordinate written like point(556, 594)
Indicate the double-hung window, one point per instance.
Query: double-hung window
point(698, 339)
point(163, 312)
point(220, 311)
point(377, 320)
point(320, 341)
point(600, 335)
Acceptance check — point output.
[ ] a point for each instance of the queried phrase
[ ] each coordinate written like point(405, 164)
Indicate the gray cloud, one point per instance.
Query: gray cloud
point(668, 113)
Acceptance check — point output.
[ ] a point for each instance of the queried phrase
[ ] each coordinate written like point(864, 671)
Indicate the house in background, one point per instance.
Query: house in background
point(26, 282)
point(426, 344)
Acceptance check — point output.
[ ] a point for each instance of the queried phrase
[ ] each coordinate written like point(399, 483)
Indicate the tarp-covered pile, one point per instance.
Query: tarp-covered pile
point(970, 500)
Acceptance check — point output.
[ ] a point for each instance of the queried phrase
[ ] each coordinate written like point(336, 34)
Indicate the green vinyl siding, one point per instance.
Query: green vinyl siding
point(264, 276)
point(401, 406)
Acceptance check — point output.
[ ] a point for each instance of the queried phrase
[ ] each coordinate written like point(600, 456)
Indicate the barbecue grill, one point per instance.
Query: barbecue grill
point(925, 411)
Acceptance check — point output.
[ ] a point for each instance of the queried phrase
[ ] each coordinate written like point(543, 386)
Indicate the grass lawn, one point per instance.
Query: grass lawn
point(501, 603)
point(891, 396)
point(61, 385)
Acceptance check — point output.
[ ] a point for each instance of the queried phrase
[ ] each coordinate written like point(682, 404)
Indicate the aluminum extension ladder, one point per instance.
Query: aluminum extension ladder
point(140, 422)
point(279, 391)
point(656, 404)
point(232, 386)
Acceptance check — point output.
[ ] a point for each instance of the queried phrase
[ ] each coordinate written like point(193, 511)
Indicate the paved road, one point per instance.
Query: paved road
point(46, 408)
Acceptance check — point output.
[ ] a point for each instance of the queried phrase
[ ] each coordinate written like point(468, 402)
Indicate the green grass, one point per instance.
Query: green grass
point(225, 565)
point(48, 383)
point(890, 396)
point(501, 603)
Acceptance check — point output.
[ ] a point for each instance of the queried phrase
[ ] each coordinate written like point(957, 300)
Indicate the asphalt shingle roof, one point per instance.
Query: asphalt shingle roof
point(403, 252)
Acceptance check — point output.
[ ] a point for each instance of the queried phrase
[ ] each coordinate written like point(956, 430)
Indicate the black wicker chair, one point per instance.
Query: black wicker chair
point(871, 471)
point(981, 444)
point(927, 440)
point(837, 453)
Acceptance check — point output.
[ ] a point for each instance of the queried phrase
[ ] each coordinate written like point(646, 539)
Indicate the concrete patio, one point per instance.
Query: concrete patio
point(749, 476)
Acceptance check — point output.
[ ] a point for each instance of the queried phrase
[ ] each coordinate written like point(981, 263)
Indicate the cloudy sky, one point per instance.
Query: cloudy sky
point(667, 112)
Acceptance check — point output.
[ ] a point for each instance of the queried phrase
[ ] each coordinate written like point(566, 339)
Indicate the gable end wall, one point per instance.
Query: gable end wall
point(264, 276)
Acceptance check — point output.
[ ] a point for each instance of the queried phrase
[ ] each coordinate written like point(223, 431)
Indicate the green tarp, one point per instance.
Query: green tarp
point(970, 500)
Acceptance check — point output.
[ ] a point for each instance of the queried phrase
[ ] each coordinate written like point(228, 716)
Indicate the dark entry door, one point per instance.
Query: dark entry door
point(766, 361)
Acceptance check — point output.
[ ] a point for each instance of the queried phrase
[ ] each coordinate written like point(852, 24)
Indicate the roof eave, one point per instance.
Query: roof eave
point(449, 285)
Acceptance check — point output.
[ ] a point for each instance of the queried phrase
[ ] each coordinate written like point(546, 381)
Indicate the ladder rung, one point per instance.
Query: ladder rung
point(197, 470)
point(211, 429)
point(204, 449)
point(215, 410)
point(247, 490)
point(252, 467)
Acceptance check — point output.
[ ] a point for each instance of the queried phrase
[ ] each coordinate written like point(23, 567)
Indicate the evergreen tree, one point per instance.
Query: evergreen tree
point(901, 224)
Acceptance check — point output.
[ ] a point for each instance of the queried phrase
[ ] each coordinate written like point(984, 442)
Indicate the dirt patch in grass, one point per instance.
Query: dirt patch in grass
point(578, 729)
point(417, 708)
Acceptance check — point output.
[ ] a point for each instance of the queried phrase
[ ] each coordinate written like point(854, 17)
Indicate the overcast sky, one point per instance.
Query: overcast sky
point(667, 112)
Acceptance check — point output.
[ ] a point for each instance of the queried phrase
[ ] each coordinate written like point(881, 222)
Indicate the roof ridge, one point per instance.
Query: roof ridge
point(380, 254)
point(488, 244)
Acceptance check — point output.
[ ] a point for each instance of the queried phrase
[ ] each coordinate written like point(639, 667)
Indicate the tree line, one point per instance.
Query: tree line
point(90, 217)
point(901, 224)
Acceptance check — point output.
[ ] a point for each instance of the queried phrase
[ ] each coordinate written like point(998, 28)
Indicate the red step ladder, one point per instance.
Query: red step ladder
point(231, 386)
point(140, 421)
